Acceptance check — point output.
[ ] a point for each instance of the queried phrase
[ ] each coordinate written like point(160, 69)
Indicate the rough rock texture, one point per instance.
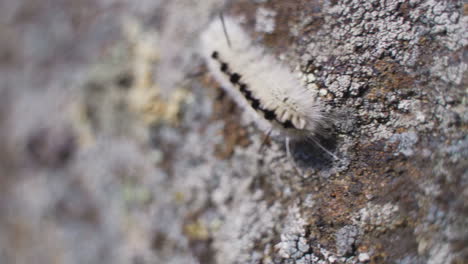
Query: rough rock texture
point(118, 147)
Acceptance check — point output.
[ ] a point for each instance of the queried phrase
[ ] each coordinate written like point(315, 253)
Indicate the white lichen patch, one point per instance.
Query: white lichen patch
point(376, 216)
point(293, 243)
point(265, 20)
point(406, 140)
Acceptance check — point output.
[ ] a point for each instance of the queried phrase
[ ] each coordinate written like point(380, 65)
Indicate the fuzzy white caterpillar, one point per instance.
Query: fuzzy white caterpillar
point(259, 83)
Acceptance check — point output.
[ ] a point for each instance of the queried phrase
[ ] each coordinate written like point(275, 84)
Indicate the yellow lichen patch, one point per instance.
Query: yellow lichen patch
point(136, 194)
point(197, 230)
point(81, 125)
point(156, 109)
point(145, 97)
point(121, 96)
point(179, 197)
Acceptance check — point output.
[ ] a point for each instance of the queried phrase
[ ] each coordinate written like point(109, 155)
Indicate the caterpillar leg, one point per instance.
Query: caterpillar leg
point(265, 139)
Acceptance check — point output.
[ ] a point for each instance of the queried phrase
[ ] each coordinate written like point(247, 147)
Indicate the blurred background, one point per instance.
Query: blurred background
point(117, 146)
point(78, 96)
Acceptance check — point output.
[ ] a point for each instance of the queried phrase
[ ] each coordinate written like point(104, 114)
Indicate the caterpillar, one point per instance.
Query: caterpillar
point(260, 84)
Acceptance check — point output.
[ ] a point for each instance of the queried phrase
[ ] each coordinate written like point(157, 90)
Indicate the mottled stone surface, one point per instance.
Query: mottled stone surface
point(118, 146)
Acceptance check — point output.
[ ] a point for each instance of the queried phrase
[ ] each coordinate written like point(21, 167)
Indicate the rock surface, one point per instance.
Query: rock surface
point(118, 146)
